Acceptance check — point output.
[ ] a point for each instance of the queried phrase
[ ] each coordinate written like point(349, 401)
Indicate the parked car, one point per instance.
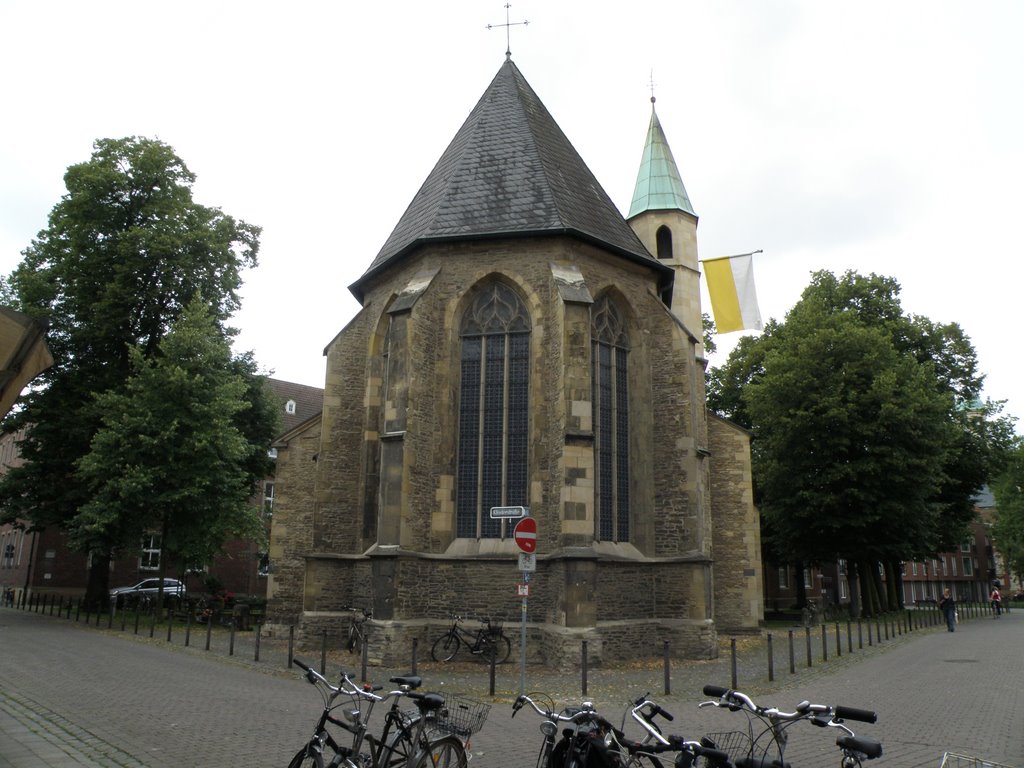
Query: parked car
point(146, 591)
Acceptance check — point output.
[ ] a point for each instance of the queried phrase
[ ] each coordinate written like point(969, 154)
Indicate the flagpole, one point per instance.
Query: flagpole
point(734, 256)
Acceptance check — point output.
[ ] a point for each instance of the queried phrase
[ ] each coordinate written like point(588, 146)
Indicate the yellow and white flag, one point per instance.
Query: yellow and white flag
point(730, 282)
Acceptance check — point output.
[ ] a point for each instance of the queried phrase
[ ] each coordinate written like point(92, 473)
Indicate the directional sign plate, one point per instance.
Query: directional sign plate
point(499, 513)
point(527, 562)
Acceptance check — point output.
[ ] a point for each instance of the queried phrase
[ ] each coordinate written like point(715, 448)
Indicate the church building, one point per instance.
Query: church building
point(521, 343)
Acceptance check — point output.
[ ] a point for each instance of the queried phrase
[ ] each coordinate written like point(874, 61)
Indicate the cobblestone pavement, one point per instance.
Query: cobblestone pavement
point(77, 694)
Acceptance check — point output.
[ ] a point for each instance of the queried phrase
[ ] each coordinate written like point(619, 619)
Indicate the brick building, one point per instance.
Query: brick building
point(40, 561)
point(520, 342)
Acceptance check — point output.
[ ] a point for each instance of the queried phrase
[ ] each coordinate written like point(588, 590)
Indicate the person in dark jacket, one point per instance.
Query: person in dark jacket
point(948, 607)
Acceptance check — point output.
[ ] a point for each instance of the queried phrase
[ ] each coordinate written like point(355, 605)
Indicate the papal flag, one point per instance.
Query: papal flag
point(730, 281)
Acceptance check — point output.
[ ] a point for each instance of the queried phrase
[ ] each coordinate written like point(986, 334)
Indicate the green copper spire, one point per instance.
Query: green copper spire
point(659, 186)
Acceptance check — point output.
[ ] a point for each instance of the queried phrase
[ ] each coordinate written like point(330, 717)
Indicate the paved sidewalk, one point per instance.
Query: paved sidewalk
point(72, 695)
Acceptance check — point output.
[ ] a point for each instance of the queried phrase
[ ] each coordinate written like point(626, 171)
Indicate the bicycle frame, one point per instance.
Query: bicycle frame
point(356, 721)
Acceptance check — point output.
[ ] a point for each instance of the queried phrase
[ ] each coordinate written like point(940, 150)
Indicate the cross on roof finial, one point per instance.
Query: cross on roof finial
point(651, 83)
point(507, 25)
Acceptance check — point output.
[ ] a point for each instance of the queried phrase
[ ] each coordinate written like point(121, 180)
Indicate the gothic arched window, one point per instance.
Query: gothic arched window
point(610, 378)
point(493, 410)
point(664, 242)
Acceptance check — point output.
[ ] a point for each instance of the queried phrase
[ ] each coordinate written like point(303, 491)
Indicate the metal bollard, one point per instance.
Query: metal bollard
point(732, 650)
point(792, 655)
point(231, 638)
point(668, 671)
point(771, 659)
point(259, 631)
point(415, 653)
point(291, 644)
point(807, 631)
point(583, 667)
point(824, 643)
point(323, 654)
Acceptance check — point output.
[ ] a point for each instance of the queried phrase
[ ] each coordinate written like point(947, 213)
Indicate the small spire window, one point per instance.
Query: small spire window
point(664, 242)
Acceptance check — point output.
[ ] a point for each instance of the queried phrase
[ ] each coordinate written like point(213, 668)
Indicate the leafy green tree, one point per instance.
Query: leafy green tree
point(171, 455)
point(1008, 527)
point(864, 447)
point(125, 250)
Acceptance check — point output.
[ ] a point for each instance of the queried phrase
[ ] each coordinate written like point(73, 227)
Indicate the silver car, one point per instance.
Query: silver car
point(146, 592)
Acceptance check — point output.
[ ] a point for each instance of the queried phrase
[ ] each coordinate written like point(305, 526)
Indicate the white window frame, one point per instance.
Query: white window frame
point(150, 549)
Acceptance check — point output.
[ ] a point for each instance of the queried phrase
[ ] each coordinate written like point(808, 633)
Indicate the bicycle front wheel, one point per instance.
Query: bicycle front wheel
point(307, 758)
point(445, 647)
point(446, 752)
point(643, 761)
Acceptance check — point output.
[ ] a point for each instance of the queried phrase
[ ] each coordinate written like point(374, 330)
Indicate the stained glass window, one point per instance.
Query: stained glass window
point(493, 410)
point(611, 420)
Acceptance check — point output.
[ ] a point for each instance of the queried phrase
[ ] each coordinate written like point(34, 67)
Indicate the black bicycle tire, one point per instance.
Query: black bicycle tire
point(315, 759)
point(352, 638)
point(439, 651)
point(439, 753)
point(504, 646)
point(398, 748)
point(643, 761)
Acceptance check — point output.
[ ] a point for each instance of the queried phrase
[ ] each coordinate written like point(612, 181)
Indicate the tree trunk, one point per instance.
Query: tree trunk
point(894, 585)
point(801, 587)
point(880, 593)
point(853, 579)
point(97, 590)
point(868, 589)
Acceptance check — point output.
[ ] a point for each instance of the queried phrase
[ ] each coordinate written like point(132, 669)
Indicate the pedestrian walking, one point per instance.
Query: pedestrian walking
point(997, 602)
point(948, 607)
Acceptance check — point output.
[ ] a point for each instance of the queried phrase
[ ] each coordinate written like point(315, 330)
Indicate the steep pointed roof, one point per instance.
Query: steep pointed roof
point(659, 187)
point(510, 172)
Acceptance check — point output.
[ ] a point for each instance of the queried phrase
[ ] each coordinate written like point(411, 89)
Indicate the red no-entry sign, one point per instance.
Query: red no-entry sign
point(525, 534)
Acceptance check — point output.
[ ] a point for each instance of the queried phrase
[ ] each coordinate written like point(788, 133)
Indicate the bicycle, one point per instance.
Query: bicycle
point(591, 740)
point(954, 760)
point(357, 629)
point(767, 747)
point(489, 641)
point(435, 735)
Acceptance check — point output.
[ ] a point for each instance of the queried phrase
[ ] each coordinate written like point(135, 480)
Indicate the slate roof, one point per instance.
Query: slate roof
point(659, 186)
point(309, 401)
point(510, 172)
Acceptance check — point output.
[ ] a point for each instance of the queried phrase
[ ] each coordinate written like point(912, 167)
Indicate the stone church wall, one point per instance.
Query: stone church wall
point(378, 530)
point(739, 592)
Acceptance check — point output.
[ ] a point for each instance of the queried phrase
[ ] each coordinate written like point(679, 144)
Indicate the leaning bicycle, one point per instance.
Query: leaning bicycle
point(357, 629)
point(489, 641)
point(764, 741)
point(579, 736)
point(433, 735)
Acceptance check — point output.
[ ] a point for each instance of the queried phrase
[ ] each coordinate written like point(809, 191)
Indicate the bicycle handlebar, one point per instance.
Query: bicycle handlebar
point(738, 700)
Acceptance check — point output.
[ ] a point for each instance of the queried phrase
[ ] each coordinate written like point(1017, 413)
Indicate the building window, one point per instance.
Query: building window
point(268, 499)
point(952, 562)
point(965, 547)
point(968, 566)
point(913, 568)
point(808, 583)
point(263, 569)
point(664, 242)
point(149, 560)
point(610, 398)
point(783, 577)
point(289, 407)
point(493, 410)
point(945, 568)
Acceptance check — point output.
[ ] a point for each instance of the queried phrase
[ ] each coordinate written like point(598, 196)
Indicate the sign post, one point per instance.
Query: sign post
point(525, 537)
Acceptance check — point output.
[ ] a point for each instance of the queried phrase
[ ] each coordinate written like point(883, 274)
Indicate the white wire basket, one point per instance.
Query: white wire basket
point(953, 760)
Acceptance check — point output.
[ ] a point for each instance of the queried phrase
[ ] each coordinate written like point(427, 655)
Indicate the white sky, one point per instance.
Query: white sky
point(880, 136)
